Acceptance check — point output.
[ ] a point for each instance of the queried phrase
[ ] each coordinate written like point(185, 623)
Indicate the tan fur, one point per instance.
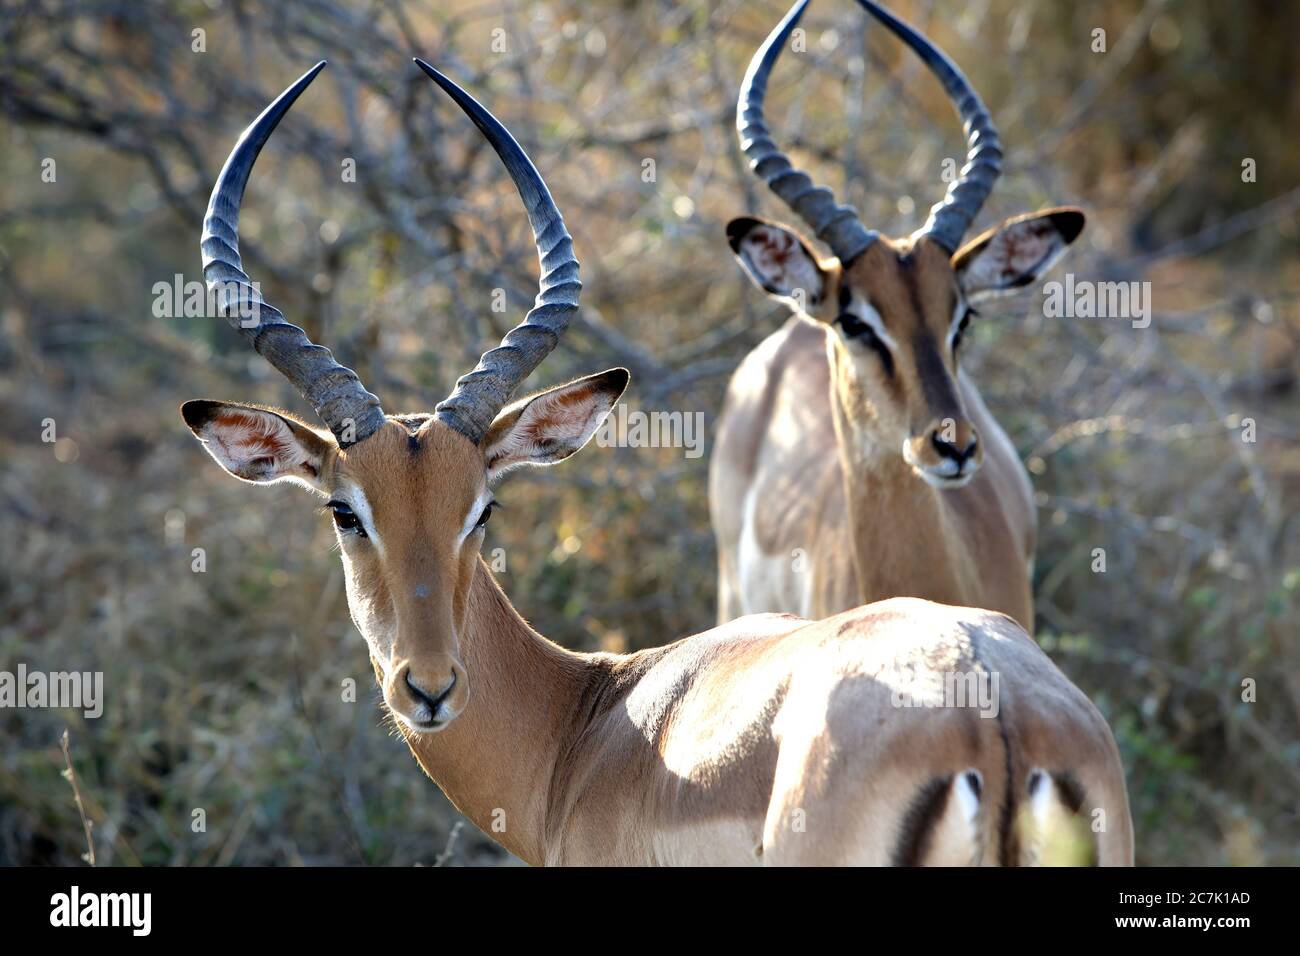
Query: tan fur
point(814, 506)
point(769, 740)
point(708, 751)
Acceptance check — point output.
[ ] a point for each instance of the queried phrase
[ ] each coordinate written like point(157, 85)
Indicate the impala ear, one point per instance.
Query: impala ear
point(1016, 253)
point(551, 425)
point(259, 444)
point(779, 262)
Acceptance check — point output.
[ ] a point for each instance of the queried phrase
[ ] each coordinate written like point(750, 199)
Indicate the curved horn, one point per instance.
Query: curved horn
point(951, 217)
point(478, 396)
point(838, 226)
point(335, 392)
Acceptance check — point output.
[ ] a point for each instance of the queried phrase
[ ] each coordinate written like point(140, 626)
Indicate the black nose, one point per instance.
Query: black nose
point(947, 449)
point(429, 700)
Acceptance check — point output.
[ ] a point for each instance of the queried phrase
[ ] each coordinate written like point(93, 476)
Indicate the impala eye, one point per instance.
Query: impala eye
point(345, 519)
point(487, 513)
point(859, 331)
point(853, 326)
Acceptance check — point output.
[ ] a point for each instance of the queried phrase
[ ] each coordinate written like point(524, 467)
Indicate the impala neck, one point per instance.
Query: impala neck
point(878, 482)
point(496, 761)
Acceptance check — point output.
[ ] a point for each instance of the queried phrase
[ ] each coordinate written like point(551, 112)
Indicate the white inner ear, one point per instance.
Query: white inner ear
point(782, 266)
point(551, 427)
point(258, 446)
point(1013, 257)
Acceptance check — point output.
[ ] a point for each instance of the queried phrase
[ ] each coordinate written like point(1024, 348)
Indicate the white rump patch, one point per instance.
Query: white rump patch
point(1041, 793)
point(967, 789)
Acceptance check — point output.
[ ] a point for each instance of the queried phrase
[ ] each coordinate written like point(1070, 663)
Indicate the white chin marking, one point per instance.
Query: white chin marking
point(944, 479)
point(424, 726)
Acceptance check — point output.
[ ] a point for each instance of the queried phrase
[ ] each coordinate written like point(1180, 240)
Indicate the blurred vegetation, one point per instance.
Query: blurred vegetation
point(224, 688)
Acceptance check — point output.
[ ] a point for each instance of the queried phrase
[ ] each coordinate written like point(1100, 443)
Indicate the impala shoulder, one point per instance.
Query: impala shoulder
point(755, 627)
point(663, 674)
point(797, 337)
point(800, 353)
point(798, 342)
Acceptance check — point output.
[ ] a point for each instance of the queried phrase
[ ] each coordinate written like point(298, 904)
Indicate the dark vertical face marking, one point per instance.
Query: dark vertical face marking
point(936, 383)
point(412, 424)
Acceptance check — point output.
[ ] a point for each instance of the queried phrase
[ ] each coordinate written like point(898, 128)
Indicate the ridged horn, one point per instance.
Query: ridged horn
point(837, 226)
point(335, 392)
point(952, 216)
point(480, 395)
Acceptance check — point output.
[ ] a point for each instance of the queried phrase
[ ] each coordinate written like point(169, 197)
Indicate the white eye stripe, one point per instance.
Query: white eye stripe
point(355, 499)
point(868, 314)
point(475, 510)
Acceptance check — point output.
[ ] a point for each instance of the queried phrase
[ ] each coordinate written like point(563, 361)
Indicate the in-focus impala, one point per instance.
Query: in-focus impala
point(770, 740)
point(854, 459)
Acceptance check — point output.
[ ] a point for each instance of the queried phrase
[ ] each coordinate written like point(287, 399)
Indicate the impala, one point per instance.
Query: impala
point(771, 739)
point(854, 460)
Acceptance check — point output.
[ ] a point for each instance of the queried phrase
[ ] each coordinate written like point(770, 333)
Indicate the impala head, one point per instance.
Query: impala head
point(410, 495)
point(897, 308)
